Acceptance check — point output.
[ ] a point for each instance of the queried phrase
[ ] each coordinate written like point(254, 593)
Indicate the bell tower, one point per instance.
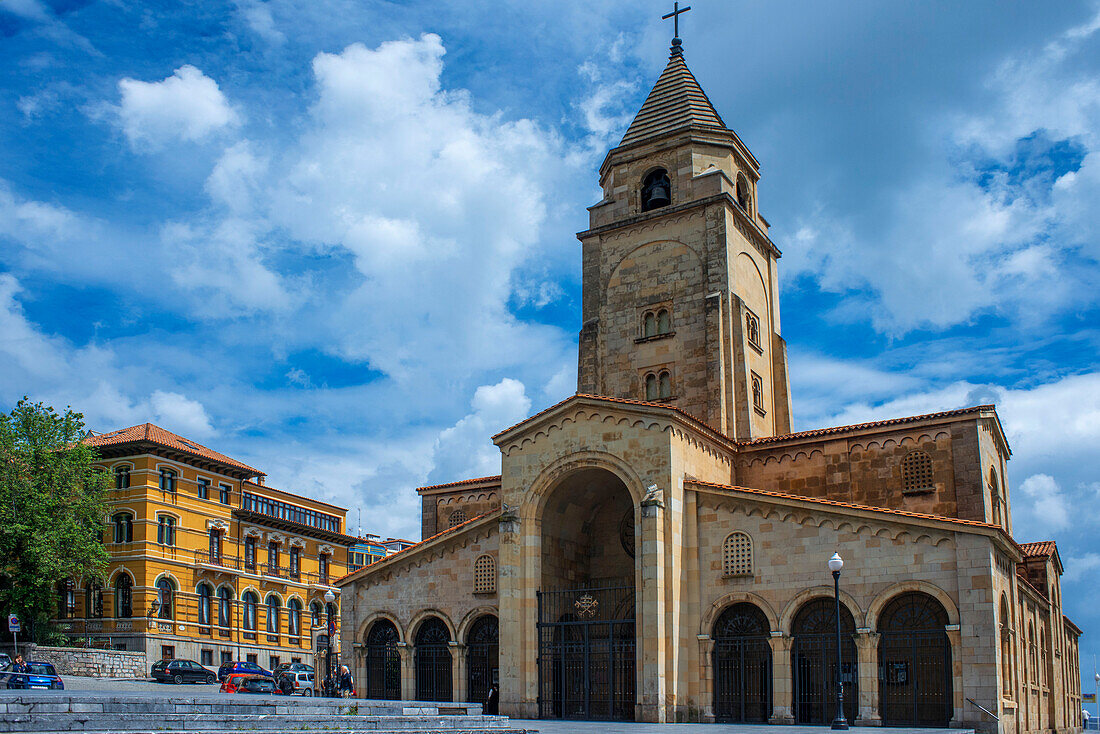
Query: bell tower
point(680, 284)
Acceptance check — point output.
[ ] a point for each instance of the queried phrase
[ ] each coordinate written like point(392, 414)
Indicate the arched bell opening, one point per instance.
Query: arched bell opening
point(656, 190)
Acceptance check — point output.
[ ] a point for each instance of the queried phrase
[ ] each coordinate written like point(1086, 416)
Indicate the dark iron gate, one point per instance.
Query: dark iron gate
point(914, 662)
point(813, 660)
point(383, 662)
point(433, 661)
point(587, 654)
point(482, 647)
point(742, 665)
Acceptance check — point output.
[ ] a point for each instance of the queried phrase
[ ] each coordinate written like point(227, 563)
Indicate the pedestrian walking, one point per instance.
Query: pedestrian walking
point(285, 685)
point(347, 685)
point(491, 701)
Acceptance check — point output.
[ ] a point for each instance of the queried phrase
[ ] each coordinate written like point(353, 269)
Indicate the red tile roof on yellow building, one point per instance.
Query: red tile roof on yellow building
point(845, 505)
point(153, 434)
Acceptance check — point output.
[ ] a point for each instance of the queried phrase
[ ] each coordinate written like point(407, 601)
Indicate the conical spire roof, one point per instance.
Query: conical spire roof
point(676, 101)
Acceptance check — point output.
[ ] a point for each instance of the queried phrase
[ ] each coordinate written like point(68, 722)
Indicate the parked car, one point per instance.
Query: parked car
point(38, 676)
point(182, 671)
point(240, 666)
point(291, 667)
point(248, 683)
point(302, 680)
point(5, 661)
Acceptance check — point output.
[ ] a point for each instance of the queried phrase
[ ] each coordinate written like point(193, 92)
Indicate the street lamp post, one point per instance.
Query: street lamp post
point(329, 598)
point(835, 564)
point(1096, 678)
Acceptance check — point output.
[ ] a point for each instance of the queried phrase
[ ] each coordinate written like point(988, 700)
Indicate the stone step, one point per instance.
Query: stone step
point(60, 702)
point(82, 722)
point(316, 728)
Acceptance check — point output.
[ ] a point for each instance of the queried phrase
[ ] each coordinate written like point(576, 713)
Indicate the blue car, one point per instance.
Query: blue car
point(240, 667)
point(38, 676)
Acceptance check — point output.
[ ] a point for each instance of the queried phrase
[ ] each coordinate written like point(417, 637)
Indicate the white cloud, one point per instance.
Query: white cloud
point(1083, 568)
point(465, 450)
point(257, 16)
point(1043, 506)
point(180, 414)
point(188, 106)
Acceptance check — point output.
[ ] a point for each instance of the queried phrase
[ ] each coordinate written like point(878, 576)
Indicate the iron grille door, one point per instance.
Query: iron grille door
point(742, 679)
point(481, 655)
point(915, 678)
point(815, 678)
point(587, 654)
point(433, 662)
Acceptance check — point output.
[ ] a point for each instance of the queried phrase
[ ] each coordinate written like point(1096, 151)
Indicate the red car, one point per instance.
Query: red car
point(249, 683)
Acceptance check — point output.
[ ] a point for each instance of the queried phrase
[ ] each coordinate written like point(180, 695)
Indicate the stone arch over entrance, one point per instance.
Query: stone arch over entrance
point(482, 640)
point(795, 605)
point(931, 590)
point(587, 607)
point(432, 651)
point(706, 624)
point(914, 656)
point(365, 626)
point(742, 661)
point(381, 659)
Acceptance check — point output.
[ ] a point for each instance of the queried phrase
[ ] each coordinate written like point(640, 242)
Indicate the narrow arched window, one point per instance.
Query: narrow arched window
point(664, 321)
point(656, 190)
point(315, 613)
point(273, 622)
point(250, 601)
point(916, 473)
point(649, 324)
point(457, 518)
point(124, 597)
point(225, 609)
point(93, 600)
point(752, 328)
point(66, 599)
point(665, 385)
point(294, 617)
point(165, 596)
point(757, 393)
point(651, 388)
point(737, 555)
point(122, 477)
point(166, 530)
point(995, 496)
point(124, 527)
point(485, 575)
point(206, 600)
point(1006, 648)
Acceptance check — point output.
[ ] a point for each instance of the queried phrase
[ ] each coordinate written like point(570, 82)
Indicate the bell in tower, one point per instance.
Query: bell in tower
point(656, 190)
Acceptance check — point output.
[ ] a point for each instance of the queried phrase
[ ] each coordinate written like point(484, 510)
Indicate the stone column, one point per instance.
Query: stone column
point(706, 689)
point(458, 667)
point(518, 564)
point(652, 636)
point(954, 638)
point(867, 675)
point(782, 682)
point(408, 671)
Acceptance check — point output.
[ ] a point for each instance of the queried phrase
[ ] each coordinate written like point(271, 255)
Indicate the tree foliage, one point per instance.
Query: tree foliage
point(52, 510)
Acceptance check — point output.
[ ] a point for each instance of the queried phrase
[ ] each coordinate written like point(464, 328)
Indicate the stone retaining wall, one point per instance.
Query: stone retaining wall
point(91, 662)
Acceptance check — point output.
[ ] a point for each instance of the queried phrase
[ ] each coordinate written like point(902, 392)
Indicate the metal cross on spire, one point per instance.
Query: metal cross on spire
point(675, 15)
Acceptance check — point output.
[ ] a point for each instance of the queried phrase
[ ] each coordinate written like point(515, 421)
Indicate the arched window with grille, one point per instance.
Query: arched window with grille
point(124, 597)
point(916, 473)
point(166, 592)
point(737, 555)
point(457, 518)
point(485, 575)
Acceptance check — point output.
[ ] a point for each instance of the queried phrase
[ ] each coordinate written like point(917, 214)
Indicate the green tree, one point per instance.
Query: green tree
point(52, 509)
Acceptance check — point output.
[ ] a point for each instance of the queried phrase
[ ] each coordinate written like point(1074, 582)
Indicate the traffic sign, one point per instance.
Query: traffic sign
point(13, 623)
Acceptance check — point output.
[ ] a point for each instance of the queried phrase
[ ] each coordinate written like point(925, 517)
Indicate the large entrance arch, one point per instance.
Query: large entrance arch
point(586, 601)
point(915, 662)
point(383, 662)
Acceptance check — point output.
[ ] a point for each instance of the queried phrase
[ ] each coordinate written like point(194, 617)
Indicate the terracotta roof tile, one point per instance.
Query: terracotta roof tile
point(149, 433)
point(864, 426)
point(676, 101)
point(845, 505)
point(461, 482)
point(1039, 549)
point(415, 546)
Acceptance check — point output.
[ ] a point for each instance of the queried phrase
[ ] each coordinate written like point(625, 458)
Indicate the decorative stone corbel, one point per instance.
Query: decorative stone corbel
point(221, 525)
point(326, 548)
point(297, 543)
point(652, 501)
point(508, 523)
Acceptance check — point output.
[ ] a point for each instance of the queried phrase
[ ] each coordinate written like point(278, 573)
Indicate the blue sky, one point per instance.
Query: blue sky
point(336, 239)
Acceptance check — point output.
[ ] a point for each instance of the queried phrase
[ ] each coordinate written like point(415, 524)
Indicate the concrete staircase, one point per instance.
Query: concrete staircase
point(57, 711)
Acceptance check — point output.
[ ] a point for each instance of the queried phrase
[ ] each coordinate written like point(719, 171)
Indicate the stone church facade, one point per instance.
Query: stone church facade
point(655, 546)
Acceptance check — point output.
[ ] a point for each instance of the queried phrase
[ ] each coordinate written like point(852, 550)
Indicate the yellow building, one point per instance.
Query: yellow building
point(207, 563)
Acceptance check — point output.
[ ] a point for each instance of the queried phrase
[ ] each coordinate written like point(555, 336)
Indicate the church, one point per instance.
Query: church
point(656, 547)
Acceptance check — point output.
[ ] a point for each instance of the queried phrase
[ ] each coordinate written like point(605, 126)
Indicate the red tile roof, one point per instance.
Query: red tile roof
point(149, 433)
point(461, 482)
point(1039, 549)
point(845, 505)
point(415, 546)
point(865, 426)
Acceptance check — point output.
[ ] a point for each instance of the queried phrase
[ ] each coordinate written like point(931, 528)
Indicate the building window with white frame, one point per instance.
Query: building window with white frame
point(168, 480)
point(166, 530)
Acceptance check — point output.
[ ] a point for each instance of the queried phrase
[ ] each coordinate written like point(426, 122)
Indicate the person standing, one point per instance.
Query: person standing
point(491, 701)
point(19, 666)
point(347, 685)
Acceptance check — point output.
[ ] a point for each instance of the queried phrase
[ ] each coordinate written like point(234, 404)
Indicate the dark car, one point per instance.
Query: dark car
point(38, 676)
point(249, 683)
point(182, 671)
point(240, 666)
point(290, 668)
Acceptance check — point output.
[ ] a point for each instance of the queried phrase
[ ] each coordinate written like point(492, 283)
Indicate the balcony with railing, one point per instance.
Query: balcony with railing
point(219, 561)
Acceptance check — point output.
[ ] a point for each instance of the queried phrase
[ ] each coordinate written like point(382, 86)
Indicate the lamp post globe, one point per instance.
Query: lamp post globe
point(835, 564)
